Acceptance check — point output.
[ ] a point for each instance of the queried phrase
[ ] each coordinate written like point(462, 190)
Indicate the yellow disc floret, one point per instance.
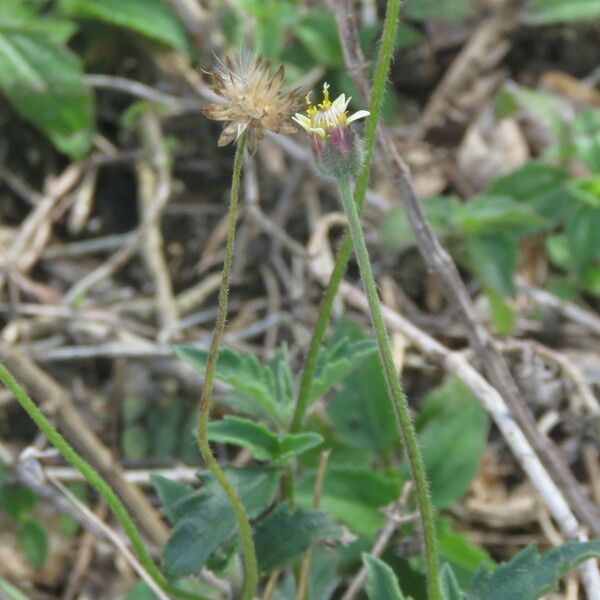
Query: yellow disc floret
point(326, 115)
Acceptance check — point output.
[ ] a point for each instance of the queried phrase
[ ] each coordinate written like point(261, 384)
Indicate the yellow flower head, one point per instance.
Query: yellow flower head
point(336, 147)
point(321, 118)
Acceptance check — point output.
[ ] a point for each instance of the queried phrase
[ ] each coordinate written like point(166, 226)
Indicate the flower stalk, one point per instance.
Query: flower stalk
point(400, 405)
point(250, 564)
point(354, 208)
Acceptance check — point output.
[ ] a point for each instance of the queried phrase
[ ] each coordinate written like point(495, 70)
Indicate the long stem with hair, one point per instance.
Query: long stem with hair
point(96, 481)
point(250, 564)
point(400, 405)
point(382, 68)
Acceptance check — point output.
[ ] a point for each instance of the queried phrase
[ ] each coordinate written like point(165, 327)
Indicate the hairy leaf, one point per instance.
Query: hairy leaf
point(286, 534)
point(353, 496)
point(493, 257)
point(170, 493)
point(450, 588)
point(361, 412)
point(337, 361)
point(256, 385)
point(530, 575)
point(204, 519)
point(263, 443)
point(382, 583)
point(33, 541)
point(452, 429)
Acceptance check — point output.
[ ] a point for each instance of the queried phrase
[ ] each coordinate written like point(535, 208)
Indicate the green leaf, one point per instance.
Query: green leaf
point(43, 82)
point(286, 534)
point(318, 33)
point(204, 520)
point(151, 18)
point(170, 493)
point(33, 541)
point(557, 11)
point(586, 139)
point(294, 444)
point(462, 555)
point(485, 214)
point(264, 444)
point(396, 232)
point(17, 500)
point(586, 191)
point(246, 433)
point(493, 257)
point(18, 15)
point(530, 575)
point(336, 361)
point(452, 429)
point(140, 591)
point(583, 235)
point(502, 313)
point(274, 22)
point(590, 278)
point(449, 585)
point(361, 412)
point(382, 583)
point(557, 248)
point(539, 186)
point(353, 496)
point(256, 386)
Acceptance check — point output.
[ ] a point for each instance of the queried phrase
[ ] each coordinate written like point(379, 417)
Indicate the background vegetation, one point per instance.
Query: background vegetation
point(113, 200)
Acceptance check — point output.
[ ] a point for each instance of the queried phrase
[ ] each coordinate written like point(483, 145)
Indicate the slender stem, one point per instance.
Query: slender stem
point(397, 396)
point(96, 481)
point(250, 565)
point(382, 68)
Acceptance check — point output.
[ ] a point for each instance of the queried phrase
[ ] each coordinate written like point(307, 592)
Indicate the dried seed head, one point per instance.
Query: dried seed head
point(253, 101)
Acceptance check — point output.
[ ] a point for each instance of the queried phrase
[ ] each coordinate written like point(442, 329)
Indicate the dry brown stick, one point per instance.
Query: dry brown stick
point(83, 559)
point(440, 263)
point(154, 173)
point(45, 389)
point(34, 232)
point(485, 49)
point(255, 212)
point(567, 366)
point(131, 244)
point(568, 310)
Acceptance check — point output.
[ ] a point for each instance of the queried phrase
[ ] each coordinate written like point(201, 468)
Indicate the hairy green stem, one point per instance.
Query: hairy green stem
point(382, 68)
point(397, 396)
point(250, 565)
point(96, 481)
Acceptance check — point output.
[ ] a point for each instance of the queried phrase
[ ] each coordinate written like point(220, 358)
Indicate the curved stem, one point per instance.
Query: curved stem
point(382, 68)
point(250, 564)
point(397, 396)
point(96, 481)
